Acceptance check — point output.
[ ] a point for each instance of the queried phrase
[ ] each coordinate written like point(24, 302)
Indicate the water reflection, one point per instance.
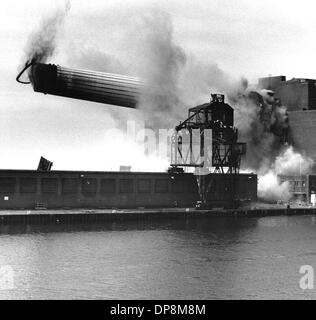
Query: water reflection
point(220, 257)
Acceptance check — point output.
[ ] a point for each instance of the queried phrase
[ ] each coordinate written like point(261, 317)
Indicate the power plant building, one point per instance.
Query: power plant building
point(298, 95)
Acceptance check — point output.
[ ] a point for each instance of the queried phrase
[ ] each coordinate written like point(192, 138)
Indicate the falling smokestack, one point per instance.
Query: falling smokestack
point(85, 85)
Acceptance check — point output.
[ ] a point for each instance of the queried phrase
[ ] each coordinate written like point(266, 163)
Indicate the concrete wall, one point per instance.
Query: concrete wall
point(297, 94)
point(270, 83)
point(303, 131)
point(293, 95)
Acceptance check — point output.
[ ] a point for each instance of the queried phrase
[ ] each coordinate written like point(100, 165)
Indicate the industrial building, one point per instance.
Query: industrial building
point(298, 186)
point(298, 95)
point(302, 187)
point(29, 189)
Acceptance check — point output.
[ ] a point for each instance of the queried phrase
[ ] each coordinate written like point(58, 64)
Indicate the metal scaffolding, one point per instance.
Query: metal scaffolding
point(207, 142)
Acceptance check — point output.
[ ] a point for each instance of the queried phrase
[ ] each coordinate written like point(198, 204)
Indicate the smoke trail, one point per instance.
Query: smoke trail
point(41, 44)
point(161, 69)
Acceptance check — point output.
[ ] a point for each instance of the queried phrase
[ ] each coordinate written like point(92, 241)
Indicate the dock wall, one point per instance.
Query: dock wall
point(92, 216)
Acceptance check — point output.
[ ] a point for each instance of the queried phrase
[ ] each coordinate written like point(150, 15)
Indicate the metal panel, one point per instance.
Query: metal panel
point(108, 186)
point(144, 186)
point(28, 185)
point(49, 185)
point(7, 185)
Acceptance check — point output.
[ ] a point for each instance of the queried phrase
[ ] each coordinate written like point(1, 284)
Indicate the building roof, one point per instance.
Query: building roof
point(211, 105)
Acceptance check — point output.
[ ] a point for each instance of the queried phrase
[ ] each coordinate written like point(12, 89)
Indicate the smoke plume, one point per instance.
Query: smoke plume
point(290, 162)
point(161, 102)
point(41, 44)
point(271, 189)
point(287, 163)
point(263, 124)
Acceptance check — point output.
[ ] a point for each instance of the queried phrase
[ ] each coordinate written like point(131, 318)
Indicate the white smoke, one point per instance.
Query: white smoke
point(271, 189)
point(288, 163)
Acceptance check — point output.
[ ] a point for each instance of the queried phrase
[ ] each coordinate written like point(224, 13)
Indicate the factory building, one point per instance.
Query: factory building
point(29, 189)
point(298, 186)
point(302, 132)
point(302, 187)
point(271, 83)
point(298, 95)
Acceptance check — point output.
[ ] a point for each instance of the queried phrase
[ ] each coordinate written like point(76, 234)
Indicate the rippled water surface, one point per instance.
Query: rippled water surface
point(215, 258)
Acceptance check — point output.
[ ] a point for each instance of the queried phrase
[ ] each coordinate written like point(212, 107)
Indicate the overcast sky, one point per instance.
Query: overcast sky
point(246, 38)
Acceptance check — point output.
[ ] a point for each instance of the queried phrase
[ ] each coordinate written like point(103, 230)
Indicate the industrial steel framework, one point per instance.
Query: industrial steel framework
point(207, 142)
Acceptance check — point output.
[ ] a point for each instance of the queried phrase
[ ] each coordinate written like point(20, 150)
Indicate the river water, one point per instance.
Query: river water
point(213, 258)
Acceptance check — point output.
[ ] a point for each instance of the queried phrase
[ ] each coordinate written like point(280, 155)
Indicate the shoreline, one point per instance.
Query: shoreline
point(111, 215)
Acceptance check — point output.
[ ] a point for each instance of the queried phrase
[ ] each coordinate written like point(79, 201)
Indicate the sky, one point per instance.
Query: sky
point(242, 38)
